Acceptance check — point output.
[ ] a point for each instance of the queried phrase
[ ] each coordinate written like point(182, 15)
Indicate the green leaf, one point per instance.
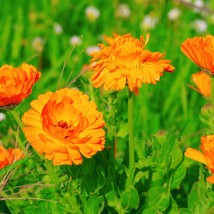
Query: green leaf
point(173, 207)
point(94, 205)
point(184, 211)
point(149, 211)
point(112, 199)
point(130, 198)
point(101, 177)
point(140, 175)
point(178, 176)
point(158, 198)
point(176, 157)
point(200, 199)
point(123, 130)
point(14, 165)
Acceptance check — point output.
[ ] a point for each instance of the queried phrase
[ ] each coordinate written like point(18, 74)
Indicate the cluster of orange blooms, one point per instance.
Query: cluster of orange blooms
point(9, 156)
point(201, 51)
point(64, 125)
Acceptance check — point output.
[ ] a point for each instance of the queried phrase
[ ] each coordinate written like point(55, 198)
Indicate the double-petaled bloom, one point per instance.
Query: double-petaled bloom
point(9, 156)
point(16, 84)
point(63, 126)
point(124, 61)
point(206, 156)
point(202, 82)
point(201, 51)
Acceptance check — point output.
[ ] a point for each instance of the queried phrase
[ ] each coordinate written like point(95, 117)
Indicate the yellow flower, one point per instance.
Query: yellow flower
point(201, 51)
point(206, 156)
point(9, 156)
point(16, 84)
point(63, 125)
point(125, 62)
point(203, 83)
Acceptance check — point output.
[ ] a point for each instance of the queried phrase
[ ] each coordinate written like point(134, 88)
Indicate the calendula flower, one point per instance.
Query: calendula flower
point(9, 156)
point(203, 83)
point(16, 84)
point(206, 156)
point(125, 62)
point(63, 125)
point(201, 51)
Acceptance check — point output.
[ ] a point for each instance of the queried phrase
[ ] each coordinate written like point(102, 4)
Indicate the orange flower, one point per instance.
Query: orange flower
point(125, 62)
point(203, 83)
point(63, 125)
point(9, 156)
point(201, 51)
point(16, 84)
point(206, 156)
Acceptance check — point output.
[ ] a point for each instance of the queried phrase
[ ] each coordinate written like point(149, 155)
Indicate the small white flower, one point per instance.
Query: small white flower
point(38, 44)
point(92, 49)
point(75, 40)
point(200, 25)
point(57, 28)
point(149, 22)
point(174, 14)
point(2, 117)
point(92, 13)
point(123, 11)
point(198, 4)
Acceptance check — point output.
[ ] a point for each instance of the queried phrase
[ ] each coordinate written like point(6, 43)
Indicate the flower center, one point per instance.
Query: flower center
point(63, 124)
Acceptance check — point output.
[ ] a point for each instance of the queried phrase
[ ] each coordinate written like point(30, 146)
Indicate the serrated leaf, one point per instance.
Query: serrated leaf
point(130, 199)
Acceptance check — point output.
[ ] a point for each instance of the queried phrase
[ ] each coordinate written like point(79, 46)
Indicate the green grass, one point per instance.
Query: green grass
point(170, 106)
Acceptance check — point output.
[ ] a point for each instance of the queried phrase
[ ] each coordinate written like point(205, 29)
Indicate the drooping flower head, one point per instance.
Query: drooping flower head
point(9, 156)
point(201, 51)
point(16, 84)
point(63, 125)
point(206, 156)
point(203, 83)
point(125, 62)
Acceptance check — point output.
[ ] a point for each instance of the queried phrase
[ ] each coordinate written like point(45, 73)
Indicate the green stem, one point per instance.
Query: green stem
point(17, 118)
point(21, 125)
point(131, 138)
point(52, 172)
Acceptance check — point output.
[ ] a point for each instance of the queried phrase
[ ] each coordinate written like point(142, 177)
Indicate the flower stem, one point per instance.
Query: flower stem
point(17, 118)
point(131, 138)
point(21, 125)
